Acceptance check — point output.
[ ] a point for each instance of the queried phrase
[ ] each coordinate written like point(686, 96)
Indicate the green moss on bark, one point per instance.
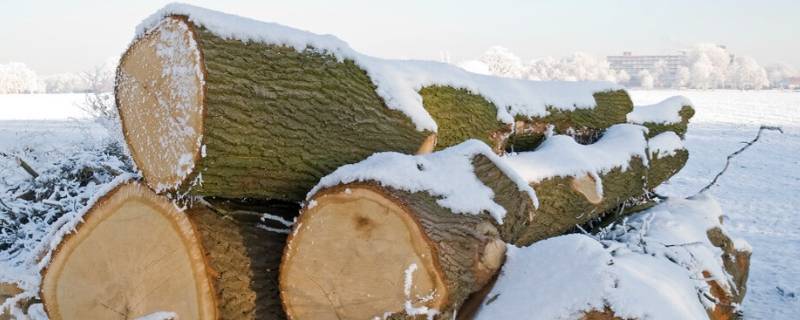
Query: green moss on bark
point(679, 128)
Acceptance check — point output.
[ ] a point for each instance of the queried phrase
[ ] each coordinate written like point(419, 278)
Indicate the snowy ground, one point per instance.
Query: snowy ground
point(759, 193)
point(41, 106)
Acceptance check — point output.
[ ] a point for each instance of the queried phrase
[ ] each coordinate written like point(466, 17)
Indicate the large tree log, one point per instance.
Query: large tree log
point(242, 117)
point(365, 249)
point(136, 253)
point(248, 119)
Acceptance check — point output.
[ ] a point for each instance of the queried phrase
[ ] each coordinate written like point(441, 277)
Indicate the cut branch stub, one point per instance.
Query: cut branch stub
point(136, 253)
point(248, 119)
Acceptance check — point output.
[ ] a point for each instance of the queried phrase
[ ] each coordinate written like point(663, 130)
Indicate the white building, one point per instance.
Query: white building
point(634, 64)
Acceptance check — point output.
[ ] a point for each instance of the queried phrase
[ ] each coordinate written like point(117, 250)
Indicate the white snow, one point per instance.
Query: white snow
point(758, 193)
point(661, 113)
point(664, 144)
point(447, 174)
point(650, 271)
point(61, 106)
point(408, 306)
point(561, 156)
point(398, 81)
point(160, 315)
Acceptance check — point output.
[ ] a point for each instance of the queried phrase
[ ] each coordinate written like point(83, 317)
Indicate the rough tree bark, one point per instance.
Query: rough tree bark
point(256, 120)
point(137, 253)
point(354, 245)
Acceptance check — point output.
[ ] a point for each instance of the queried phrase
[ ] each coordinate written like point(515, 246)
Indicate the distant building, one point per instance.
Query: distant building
point(633, 64)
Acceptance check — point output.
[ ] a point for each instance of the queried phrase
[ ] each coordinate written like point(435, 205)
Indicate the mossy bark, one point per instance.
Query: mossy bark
point(686, 113)
point(463, 115)
point(277, 119)
point(243, 261)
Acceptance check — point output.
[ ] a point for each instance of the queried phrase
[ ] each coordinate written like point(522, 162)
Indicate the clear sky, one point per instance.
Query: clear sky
point(74, 35)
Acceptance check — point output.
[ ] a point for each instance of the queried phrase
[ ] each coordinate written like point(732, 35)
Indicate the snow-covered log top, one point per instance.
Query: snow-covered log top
point(448, 174)
point(664, 112)
point(649, 268)
point(560, 155)
point(398, 81)
point(664, 144)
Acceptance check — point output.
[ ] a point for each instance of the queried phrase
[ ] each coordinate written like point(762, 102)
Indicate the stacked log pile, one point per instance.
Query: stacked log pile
point(283, 178)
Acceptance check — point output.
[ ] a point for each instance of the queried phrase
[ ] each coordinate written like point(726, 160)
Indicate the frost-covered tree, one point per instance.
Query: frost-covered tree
point(745, 73)
point(16, 77)
point(709, 65)
point(779, 73)
point(502, 62)
point(646, 80)
point(578, 66)
point(99, 101)
point(65, 83)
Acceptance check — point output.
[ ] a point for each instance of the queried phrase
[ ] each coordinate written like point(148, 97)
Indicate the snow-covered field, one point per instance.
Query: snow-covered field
point(759, 193)
point(58, 106)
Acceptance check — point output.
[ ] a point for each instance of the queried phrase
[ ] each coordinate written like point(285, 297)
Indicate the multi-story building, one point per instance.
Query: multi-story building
point(634, 64)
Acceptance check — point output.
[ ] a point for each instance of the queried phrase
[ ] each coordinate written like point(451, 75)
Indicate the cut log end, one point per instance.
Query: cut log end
point(134, 254)
point(160, 96)
point(353, 255)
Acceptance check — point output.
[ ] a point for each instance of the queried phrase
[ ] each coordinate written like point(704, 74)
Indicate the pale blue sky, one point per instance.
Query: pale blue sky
point(69, 36)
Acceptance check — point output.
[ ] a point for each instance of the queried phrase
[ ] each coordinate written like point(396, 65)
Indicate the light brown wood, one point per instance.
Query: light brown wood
point(587, 186)
point(354, 244)
point(428, 145)
point(134, 254)
point(160, 90)
point(361, 241)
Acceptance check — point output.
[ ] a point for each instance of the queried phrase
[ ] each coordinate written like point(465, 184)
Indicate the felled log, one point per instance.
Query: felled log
point(136, 253)
point(672, 114)
point(248, 119)
point(576, 183)
point(218, 105)
point(401, 235)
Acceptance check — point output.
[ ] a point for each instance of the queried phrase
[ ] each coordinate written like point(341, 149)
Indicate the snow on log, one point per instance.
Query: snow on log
point(672, 114)
point(663, 263)
point(576, 183)
point(226, 106)
point(402, 235)
point(136, 254)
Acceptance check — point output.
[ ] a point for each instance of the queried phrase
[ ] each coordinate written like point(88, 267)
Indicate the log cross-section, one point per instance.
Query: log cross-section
point(136, 253)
